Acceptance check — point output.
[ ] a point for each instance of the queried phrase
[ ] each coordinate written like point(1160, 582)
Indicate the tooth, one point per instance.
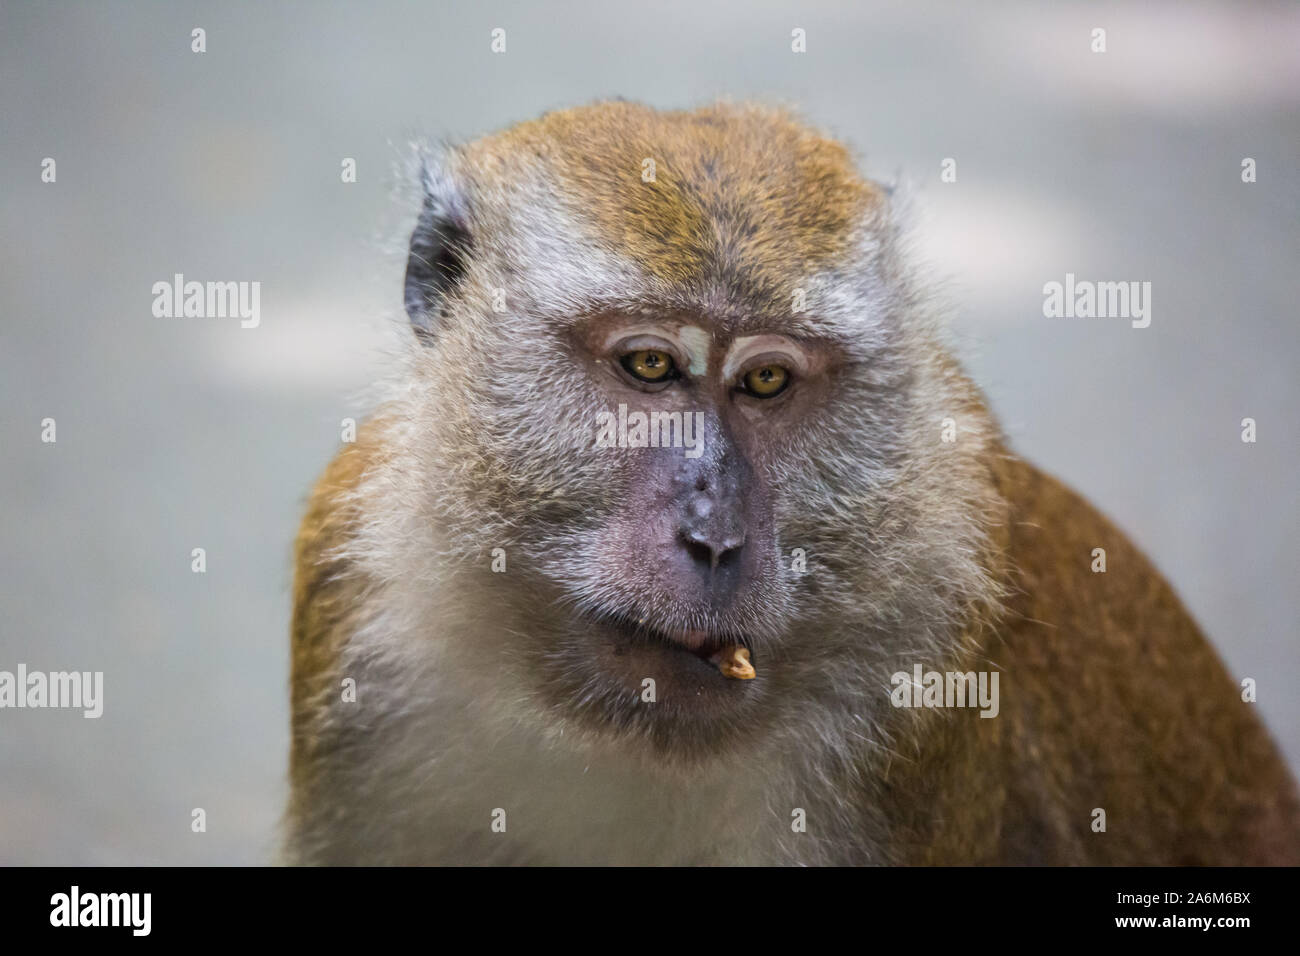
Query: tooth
point(733, 661)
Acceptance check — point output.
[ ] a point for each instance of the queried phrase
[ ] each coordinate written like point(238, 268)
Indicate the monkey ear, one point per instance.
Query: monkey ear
point(440, 247)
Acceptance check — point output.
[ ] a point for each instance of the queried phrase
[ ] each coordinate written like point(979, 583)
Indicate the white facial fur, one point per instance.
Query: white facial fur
point(696, 342)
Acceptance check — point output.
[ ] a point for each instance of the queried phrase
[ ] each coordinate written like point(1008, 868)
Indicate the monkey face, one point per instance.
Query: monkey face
point(685, 409)
point(684, 417)
point(689, 562)
point(643, 459)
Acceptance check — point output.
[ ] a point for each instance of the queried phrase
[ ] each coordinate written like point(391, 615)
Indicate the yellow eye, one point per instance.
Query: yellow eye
point(766, 381)
point(649, 365)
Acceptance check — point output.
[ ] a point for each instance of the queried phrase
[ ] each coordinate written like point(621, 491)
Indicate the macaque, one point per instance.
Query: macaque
point(514, 643)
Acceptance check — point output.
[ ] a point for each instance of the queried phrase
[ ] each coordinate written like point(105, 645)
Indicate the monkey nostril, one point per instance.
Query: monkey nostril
point(729, 551)
point(701, 483)
point(699, 551)
point(715, 554)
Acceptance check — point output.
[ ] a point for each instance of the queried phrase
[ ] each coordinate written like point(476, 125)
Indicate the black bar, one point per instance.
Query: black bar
point(886, 907)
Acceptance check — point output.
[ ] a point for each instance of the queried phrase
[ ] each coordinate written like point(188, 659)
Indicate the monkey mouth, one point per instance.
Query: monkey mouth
point(727, 654)
point(703, 677)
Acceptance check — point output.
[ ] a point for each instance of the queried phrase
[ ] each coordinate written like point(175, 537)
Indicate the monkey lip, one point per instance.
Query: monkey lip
point(692, 653)
point(706, 645)
point(693, 640)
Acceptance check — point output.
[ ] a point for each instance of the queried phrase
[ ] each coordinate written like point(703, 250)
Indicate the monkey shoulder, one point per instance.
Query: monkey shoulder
point(1112, 692)
point(327, 589)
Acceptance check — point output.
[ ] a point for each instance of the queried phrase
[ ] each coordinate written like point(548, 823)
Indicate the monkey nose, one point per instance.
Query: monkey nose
point(710, 535)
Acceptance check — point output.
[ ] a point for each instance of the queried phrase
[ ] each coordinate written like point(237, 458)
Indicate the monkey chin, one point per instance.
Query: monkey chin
point(689, 714)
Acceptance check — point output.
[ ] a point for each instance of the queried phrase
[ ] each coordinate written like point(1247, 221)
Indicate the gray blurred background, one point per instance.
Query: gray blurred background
point(183, 433)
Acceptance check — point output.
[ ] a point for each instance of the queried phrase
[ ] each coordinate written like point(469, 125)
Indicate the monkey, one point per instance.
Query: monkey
point(506, 633)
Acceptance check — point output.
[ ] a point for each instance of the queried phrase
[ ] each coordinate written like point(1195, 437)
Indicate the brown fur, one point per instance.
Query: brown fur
point(770, 161)
point(324, 598)
point(1112, 698)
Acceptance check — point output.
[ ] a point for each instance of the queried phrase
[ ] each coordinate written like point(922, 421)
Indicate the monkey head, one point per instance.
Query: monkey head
point(672, 368)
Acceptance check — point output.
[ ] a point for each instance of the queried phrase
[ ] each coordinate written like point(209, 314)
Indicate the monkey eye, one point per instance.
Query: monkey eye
point(649, 365)
point(766, 381)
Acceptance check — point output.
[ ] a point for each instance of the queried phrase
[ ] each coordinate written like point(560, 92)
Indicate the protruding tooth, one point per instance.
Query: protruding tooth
point(733, 661)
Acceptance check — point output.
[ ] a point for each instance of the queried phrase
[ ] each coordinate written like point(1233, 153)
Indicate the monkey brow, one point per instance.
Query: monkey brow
point(804, 328)
point(808, 327)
